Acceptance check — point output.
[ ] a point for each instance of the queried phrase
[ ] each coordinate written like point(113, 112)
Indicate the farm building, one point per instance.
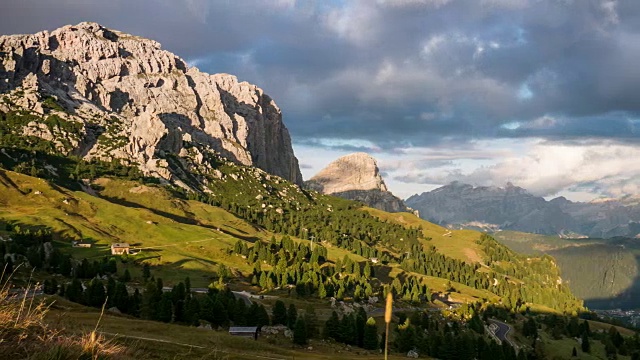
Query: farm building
point(245, 331)
point(119, 248)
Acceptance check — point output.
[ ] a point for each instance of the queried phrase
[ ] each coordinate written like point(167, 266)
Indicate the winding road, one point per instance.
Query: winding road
point(502, 331)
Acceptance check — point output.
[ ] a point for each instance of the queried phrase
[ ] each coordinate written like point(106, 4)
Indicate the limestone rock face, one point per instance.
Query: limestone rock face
point(357, 171)
point(139, 103)
point(356, 177)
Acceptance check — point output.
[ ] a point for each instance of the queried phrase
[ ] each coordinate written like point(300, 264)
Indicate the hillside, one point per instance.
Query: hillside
point(424, 265)
point(194, 237)
point(603, 272)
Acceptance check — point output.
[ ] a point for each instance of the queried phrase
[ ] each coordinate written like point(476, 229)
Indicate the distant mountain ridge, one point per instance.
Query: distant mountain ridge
point(514, 208)
point(356, 177)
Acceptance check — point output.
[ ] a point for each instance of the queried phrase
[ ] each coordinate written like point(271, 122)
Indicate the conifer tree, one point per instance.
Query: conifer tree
point(300, 332)
point(332, 327)
point(165, 310)
point(95, 295)
point(586, 346)
point(322, 291)
point(121, 297)
point(240, 313)
point(146, 272)
point(192, 311)
point(311, 319)
point(292, 316)
point(126, 276)
point(279, 313)
point(370, 340)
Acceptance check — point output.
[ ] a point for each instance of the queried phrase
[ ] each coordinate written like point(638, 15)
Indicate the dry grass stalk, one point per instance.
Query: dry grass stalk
point(24, 333)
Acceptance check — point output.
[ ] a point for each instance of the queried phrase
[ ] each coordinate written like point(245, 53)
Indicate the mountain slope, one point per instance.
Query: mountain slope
point(603, 272)
point(189, 238)
point(115, 95)
point(356, 177)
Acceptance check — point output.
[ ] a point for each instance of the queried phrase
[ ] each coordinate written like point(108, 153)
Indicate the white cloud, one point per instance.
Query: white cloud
point(546, 169)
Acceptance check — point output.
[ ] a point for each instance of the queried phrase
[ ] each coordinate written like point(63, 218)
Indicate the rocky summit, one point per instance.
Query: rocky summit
point(356, 177)
point(133, 101)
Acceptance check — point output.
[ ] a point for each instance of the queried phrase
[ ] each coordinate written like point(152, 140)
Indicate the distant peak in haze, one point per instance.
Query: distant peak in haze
point(514, 208)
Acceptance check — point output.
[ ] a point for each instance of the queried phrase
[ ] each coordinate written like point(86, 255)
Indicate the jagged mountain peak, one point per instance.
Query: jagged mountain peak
point(133, 101)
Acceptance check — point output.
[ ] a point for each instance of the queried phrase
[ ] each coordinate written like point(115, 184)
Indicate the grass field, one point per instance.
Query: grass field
point(153, 340)
point(458, 244)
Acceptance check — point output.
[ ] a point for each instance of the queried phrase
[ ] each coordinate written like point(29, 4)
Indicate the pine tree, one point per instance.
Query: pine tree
point(574, 352)
point(370, 341)
point(240, 313)
point(165, 310)
point(311, 319)
point(121, 297)
point(292, 316)
point(367, 270)
point(192, 311)
point(331, 327)
point(95, 295)
point(150, 300)
point(279, 314)
point(300, 332)
point(126, 276)
point(220, 315)
point(74, 291)
point(610, 349)
point(586, 346)
point(146, 272)
point(322, 292)
point(361, 321)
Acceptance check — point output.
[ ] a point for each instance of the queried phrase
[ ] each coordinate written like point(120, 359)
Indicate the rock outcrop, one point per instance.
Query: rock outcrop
point(356, 177)
point(136, 102)
point(514, 208)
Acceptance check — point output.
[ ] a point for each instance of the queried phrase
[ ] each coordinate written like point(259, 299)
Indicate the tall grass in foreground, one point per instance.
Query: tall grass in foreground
point(24, 334)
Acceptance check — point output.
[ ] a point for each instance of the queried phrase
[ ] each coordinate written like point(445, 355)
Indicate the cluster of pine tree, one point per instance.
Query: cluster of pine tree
point(297, 266)
point(309, 216)
point(353, 329)
point(35, 244)
point(530, 282)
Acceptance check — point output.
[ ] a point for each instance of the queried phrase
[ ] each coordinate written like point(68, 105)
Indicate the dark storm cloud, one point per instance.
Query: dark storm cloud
point(400, 73)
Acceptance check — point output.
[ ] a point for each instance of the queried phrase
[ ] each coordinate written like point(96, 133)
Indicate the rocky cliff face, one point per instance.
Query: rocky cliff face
point(135, 102)
point(356, 177)
point(514, 208)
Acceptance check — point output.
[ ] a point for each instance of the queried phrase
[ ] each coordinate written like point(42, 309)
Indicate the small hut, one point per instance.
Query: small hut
point(245, 331)
point(119, 248)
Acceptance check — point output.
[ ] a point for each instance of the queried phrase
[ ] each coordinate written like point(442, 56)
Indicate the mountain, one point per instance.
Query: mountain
point(105, 94)
point(514, 208)
point(356, 177)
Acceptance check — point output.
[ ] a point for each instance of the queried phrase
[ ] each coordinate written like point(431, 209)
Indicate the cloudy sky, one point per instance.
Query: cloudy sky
point(542, 93)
